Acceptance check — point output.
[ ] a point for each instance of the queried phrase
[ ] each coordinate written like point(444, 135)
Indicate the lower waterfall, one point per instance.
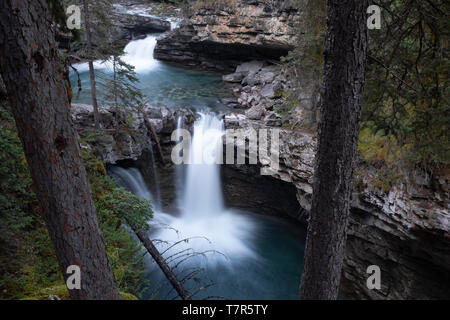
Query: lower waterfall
point(241, 255)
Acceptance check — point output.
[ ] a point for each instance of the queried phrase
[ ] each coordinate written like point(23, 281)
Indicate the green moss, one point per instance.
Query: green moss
point(29, 266)
point(42, 294)
point(128, 296)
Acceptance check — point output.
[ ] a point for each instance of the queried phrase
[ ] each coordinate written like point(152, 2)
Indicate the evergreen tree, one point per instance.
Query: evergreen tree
point(307, 59)
point(98, 29)
point(407, 95)
point(38, 97)
point(120, 89)
point(342, 93)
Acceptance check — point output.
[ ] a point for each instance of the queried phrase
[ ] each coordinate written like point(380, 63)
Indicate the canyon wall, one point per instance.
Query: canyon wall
point(220, 34)
point(405, 231)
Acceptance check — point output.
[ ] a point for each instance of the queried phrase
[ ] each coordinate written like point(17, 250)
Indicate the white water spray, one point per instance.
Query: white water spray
point(203, 193)
point(202, 210)
point(138, 53)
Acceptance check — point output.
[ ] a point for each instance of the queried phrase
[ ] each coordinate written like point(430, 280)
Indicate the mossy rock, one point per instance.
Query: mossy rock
point(62, 293)
point(59, 291)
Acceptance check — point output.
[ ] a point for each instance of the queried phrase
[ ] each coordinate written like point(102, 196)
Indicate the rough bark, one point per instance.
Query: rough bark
point(32, 74)
point(91, 64)
point(343, 83)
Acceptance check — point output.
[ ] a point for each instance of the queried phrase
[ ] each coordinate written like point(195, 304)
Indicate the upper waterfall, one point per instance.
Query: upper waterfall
point(139, 54)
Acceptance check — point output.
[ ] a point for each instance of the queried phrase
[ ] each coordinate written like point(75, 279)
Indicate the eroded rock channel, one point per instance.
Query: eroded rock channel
point(405, 230)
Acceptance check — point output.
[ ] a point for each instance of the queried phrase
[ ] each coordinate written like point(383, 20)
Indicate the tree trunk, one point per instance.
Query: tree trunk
point(159, 259)
point(32, 73)
point(91, 64)
point(343, 84)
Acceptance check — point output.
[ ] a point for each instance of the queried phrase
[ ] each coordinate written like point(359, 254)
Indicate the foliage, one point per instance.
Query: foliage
point(407, 90)
point(306, 60)
point(100, 13)
point(27, 261)
point(120, 90)
point(289, 103)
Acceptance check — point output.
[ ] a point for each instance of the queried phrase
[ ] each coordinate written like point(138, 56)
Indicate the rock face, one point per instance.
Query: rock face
point(259, 86)
point(127, 27)
point(404, 231)
point(219, 34)
point(119, 144)
point(131, 26)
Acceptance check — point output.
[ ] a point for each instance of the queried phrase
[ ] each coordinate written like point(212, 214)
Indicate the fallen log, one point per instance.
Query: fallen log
point(159, 259)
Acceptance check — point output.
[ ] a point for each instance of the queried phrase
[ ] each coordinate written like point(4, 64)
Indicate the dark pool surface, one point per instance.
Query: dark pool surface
point(273, 274)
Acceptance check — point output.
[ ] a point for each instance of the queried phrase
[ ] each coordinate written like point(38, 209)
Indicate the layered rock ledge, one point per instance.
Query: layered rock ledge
point(404, 230)
point(221, 34)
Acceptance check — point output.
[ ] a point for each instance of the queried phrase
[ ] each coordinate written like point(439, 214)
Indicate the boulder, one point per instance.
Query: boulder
point(273, 120)
point(234, 77)
point(271, 90)
point(251, 67)
point(255, 113)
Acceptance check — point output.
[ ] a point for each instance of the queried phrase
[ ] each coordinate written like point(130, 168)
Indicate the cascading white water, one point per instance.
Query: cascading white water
point(157, 189)
point(138, 53)
point(179, 169)
point(132, 180)
point(203, 194)
point(202, 210)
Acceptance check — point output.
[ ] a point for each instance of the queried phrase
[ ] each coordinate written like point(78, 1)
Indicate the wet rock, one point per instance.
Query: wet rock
point(131, 26)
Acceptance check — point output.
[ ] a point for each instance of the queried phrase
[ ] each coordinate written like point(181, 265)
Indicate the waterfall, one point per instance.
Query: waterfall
point(139, 54)
point(201, 204)
point(256, 253)
point(132, 180)
point(179, 169)
point(203, 194)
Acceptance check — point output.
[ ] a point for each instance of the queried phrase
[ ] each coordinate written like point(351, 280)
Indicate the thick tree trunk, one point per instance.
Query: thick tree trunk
point(343, 83)
point(91, 64)
point(32, 73)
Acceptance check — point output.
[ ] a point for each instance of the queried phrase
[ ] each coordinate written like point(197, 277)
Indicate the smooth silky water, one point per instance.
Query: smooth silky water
point(241, 255)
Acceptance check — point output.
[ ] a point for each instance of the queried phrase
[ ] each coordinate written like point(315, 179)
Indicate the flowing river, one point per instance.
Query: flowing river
point(230, 254)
